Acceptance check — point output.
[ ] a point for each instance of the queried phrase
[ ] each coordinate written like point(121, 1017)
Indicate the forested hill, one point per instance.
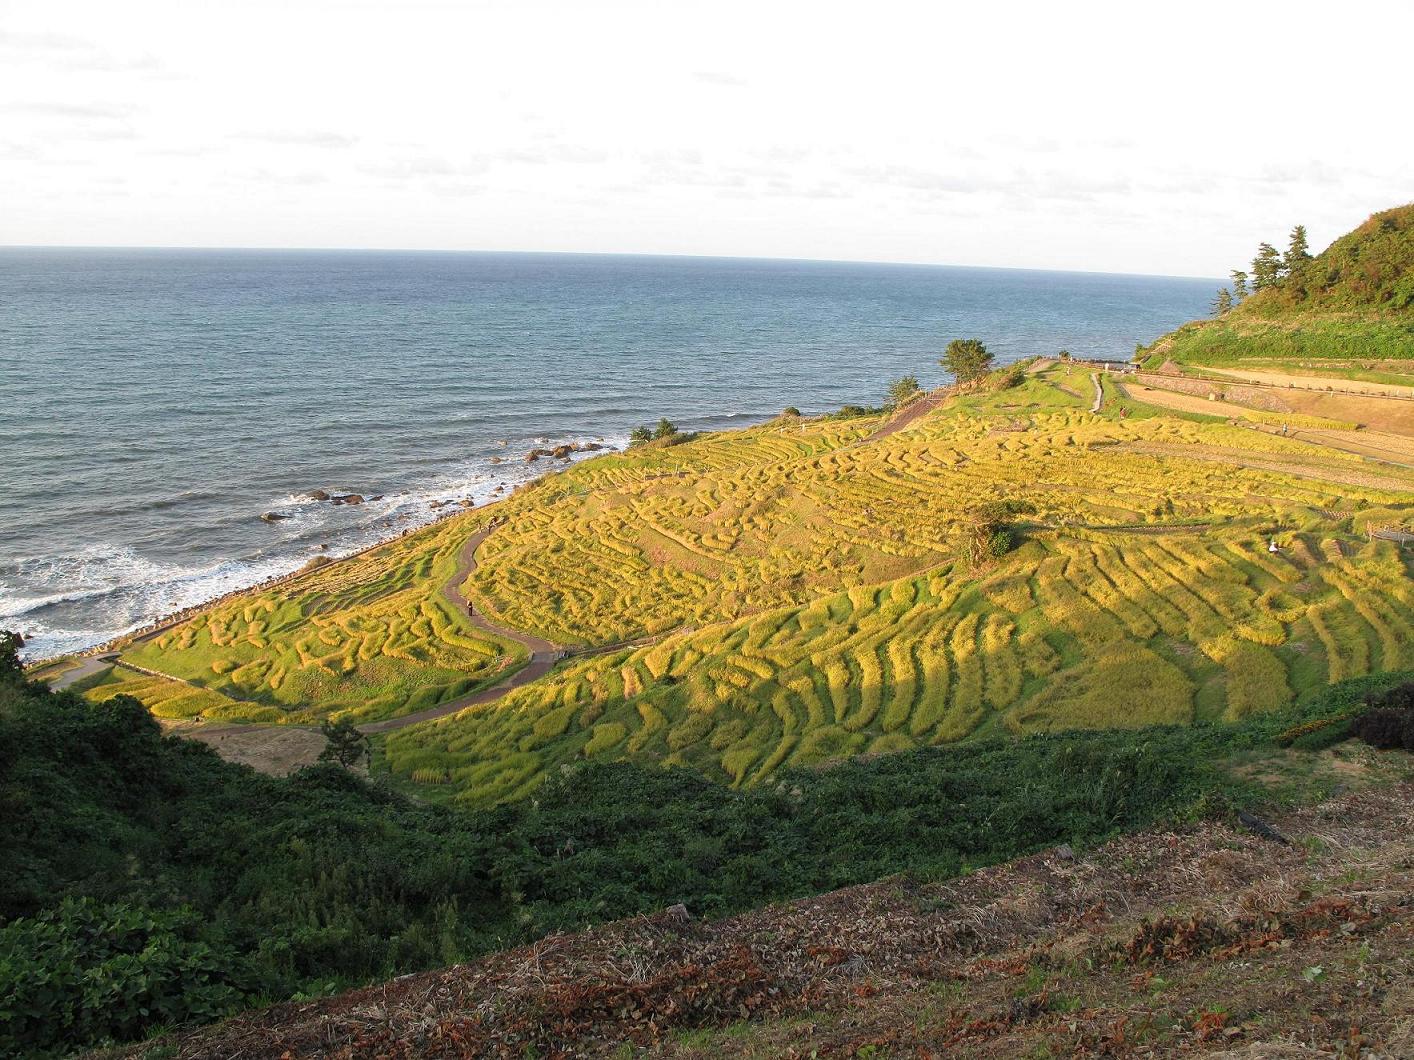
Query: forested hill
point(1370, 268)
point(1348, 309)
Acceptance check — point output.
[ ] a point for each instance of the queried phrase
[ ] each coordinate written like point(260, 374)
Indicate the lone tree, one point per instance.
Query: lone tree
point(1239, 285)
point(967, 359)
point(639, 435)
point(902, 391)
point(344, 743)
point(1223, 302)
point(665, 429)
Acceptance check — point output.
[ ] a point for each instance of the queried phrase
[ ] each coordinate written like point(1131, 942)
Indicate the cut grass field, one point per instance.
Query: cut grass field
point(803, 586)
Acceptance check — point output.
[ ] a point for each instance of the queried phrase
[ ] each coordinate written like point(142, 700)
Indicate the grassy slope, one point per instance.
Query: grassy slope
point(1167, 943)
point(1353, 304)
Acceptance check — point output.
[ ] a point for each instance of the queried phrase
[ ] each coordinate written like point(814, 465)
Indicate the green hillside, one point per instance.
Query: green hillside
point(1353, 303)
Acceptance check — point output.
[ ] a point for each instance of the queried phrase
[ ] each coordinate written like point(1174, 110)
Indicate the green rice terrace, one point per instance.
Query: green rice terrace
point(995, 560)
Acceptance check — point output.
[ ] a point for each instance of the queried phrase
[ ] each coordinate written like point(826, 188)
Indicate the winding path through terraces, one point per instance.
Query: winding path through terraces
point(543, 654)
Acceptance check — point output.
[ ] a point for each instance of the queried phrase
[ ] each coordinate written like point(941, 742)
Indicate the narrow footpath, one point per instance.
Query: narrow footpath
point(543, 654)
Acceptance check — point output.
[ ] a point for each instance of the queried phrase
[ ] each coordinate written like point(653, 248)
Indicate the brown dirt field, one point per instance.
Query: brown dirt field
point(1385, 446)
point(1319, 381)
point(1377, 414)
point(274, 749)
point(1202, 940)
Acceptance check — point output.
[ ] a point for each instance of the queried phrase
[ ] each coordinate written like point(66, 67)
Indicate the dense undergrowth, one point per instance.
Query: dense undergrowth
point(146, 882)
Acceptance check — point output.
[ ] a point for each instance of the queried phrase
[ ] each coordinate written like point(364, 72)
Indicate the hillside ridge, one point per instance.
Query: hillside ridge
point(1173, 940)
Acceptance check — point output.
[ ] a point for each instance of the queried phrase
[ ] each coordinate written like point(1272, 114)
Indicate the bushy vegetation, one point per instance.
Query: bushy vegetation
point(1370, 268)
point(146, 882)
point(1389, 722)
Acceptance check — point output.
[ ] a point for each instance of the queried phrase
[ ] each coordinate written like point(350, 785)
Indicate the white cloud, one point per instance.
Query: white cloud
point(1095, 135)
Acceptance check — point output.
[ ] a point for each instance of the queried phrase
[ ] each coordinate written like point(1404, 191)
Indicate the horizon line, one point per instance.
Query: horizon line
point(591, 254)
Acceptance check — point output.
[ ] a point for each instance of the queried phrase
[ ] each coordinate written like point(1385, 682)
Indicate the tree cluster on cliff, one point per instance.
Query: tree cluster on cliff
point(1371, 268)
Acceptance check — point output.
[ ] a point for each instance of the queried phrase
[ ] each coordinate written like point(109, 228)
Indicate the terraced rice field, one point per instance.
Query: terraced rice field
point(1093, 630)
point(368, 639)
point(805, 590)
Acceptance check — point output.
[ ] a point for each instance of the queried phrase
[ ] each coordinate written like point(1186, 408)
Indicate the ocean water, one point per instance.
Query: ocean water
point(153, 403)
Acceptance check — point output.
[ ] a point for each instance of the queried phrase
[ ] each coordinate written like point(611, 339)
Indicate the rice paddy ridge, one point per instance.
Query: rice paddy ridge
point(1216, 628)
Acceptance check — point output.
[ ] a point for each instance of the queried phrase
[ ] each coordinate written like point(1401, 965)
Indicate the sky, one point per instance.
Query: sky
point(1127, 137)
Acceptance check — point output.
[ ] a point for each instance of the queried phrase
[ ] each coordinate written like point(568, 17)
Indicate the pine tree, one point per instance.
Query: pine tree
point(1223, 302)
point(1239, 285)
point(1298, 252)
point(345, 744)
point(1266, 268)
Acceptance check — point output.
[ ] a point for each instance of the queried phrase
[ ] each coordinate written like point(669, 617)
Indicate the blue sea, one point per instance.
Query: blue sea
point(154, 403)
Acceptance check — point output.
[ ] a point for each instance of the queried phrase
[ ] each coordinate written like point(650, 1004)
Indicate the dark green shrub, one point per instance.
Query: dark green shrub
point(84, 973)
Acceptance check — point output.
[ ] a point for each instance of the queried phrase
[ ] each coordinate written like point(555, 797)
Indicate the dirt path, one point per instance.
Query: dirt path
point(86, 668)
point(913, 411)
point(1099, 392)
point(280, 749)
point(543, 654)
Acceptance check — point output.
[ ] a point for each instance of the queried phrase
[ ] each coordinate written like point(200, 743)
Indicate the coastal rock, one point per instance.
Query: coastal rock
point(562, 452)
point(536, 454)
point(347, 498)
point(467, 502)
point(317, 495)
point(272, 517)
point(495, 460)
point(375, 497)
point(590, 447)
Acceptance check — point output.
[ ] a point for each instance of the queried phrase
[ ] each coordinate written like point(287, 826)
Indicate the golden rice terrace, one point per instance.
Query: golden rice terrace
point(809, 589)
